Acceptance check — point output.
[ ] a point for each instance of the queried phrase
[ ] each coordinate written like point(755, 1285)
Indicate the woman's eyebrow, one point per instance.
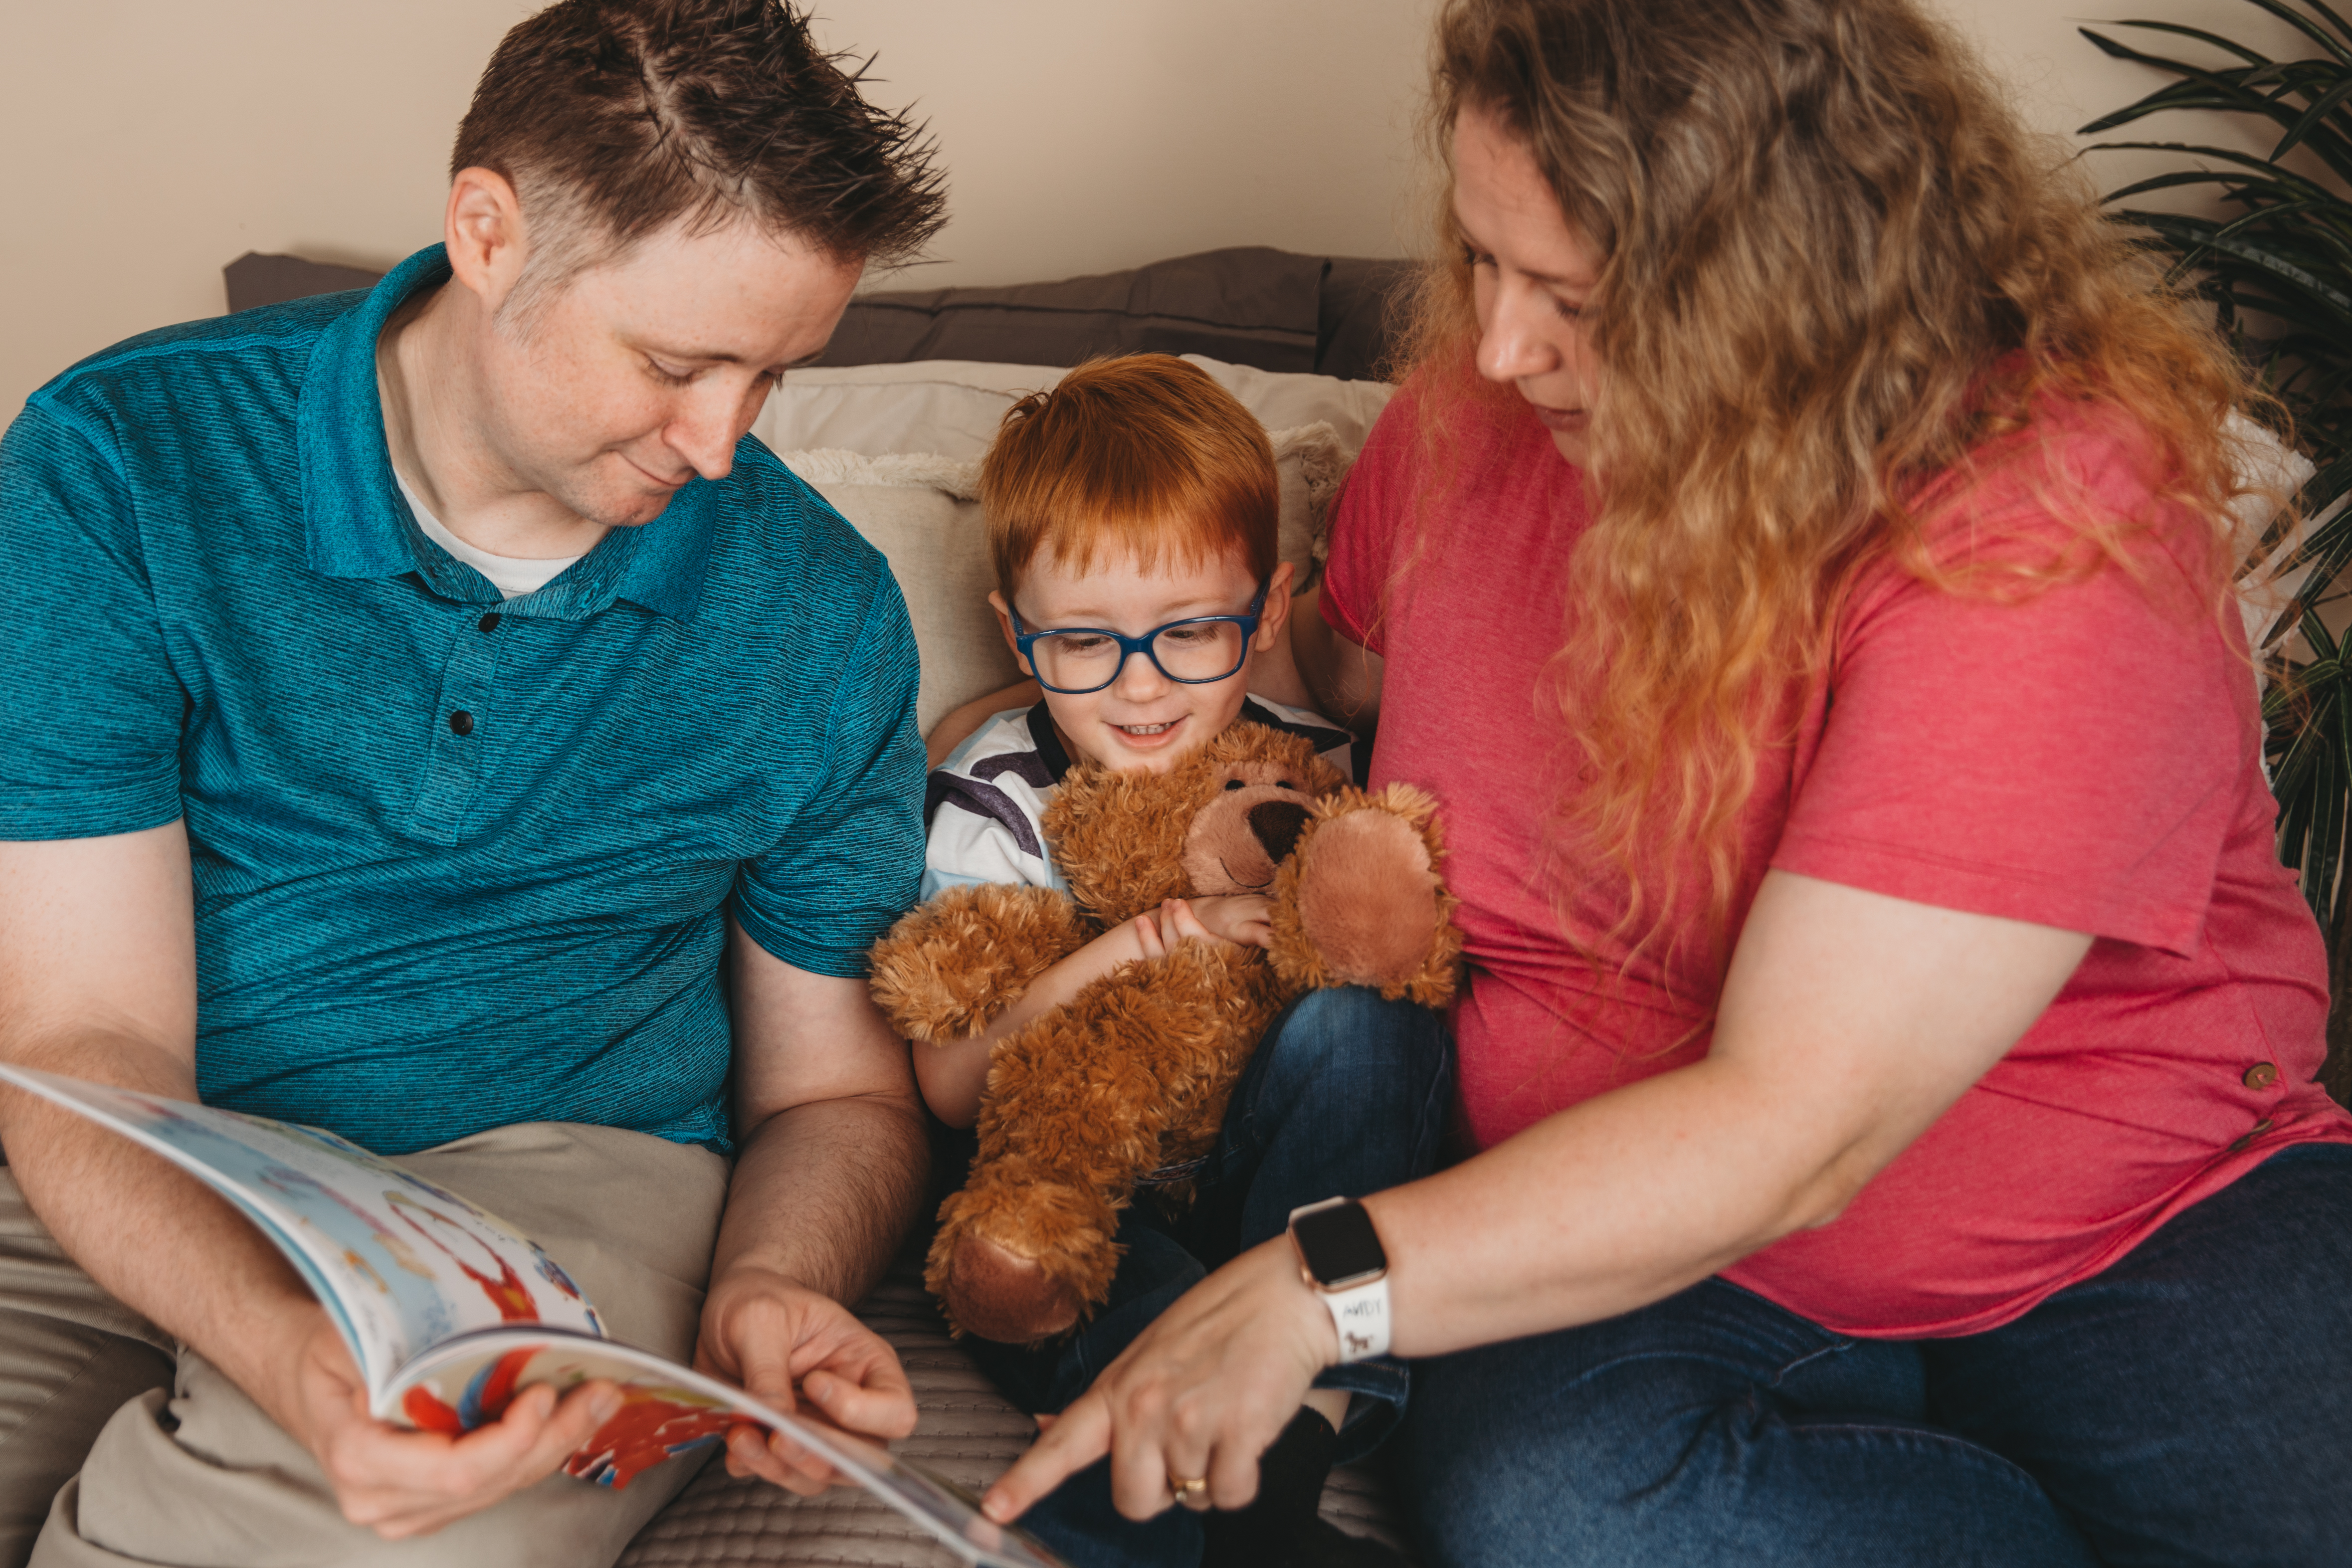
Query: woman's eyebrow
point(1550, 279)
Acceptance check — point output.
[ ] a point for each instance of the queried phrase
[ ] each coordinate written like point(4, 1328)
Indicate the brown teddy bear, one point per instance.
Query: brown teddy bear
point(1131, 1075)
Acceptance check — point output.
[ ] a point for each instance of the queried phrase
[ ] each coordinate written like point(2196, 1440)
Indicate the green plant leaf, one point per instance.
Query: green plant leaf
point(2325, 553)
point(2210, 240)
point(2292, 781)
point(2237, 186)
point(2232, 91)
point(2278, 262)
point(2226, 46)
point(2304, 24)
point(2327, 104)
point(2342, 29)
point(2324, 857)
point(2265, 171)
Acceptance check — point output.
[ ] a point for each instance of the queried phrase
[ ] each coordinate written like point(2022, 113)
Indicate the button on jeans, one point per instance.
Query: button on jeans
point(2191, 1404)
point(1345, 1095)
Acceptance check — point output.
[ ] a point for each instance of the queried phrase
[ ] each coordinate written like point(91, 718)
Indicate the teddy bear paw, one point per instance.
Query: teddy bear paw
point(1369, 904)
point(999, 1295)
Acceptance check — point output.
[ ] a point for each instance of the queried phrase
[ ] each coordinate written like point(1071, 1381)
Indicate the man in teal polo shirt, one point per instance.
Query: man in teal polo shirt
point(431, 718)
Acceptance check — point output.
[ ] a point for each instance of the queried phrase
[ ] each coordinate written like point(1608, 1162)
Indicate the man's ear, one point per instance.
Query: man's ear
point(483, 227)
point(1004, 624)
point(1275, 614)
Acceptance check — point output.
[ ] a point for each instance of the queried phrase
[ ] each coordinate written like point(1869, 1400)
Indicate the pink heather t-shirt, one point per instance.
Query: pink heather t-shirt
point(2085, 759)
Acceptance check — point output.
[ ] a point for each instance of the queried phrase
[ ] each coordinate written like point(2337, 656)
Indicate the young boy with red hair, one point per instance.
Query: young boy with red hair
point(1136, 498)
point(1132, 518)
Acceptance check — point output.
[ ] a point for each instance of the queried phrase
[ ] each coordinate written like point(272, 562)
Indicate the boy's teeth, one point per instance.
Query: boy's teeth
point(1144, 729)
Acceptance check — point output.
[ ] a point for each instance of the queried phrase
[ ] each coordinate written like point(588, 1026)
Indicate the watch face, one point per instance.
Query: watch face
point(1339, 1244)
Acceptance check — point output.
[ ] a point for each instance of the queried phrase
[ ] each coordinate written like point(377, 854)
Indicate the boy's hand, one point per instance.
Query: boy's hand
point(1236, 917)
point(1243, 919)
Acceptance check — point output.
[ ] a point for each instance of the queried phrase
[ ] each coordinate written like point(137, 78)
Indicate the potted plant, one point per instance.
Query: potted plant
point(2277, 266)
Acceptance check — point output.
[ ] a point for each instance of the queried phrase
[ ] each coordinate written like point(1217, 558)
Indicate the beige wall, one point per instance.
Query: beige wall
point(151, 140)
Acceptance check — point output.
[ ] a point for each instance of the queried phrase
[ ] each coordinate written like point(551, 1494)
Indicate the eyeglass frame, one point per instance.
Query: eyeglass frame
point(1129, 647)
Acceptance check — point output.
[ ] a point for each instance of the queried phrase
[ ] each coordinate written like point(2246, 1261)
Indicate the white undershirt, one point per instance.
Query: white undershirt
point(512, 575)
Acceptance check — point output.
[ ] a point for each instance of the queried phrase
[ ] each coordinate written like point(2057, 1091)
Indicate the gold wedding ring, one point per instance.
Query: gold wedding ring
point(1193, 1494)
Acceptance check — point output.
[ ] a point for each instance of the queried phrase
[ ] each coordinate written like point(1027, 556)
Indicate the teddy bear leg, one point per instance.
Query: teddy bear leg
point(1019, 1255)
point(1002, 1296)
point(1367, 898)
point(1078, 1104)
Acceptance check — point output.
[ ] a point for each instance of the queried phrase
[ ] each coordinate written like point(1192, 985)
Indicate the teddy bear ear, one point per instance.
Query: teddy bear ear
point(1294, 755)
point(1118, 838)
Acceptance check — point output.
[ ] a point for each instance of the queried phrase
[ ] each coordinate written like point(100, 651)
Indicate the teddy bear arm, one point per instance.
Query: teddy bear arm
point(1360, 902)
point(951, 966)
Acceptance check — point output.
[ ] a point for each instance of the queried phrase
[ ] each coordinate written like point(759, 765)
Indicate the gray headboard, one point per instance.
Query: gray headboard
point(1246, 305)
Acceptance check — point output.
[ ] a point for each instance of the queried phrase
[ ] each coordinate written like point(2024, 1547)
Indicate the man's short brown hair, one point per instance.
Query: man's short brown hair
point(615, 119)
point(1144, 455)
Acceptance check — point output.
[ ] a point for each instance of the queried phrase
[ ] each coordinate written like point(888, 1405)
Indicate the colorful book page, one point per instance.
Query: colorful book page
point(399, 1263)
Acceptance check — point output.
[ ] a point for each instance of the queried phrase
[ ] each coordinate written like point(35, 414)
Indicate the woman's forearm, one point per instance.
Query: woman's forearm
point(1849, 1022)
point(951, 732)
point(1620, 1201)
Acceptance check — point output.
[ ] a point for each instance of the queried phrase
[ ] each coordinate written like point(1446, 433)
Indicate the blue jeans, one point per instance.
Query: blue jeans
point(2191, 1404)
point(1346, 1094)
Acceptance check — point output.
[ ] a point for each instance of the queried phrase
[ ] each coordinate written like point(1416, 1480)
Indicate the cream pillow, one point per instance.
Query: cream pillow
point(952, 407)
point(922, 512)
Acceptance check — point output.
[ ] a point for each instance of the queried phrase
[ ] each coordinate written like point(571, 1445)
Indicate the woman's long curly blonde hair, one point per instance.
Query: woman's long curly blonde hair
point(1833, 268)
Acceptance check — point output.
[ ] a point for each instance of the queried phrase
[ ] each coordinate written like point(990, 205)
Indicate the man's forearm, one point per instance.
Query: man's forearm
point(823, 1193)
point(154, 1237)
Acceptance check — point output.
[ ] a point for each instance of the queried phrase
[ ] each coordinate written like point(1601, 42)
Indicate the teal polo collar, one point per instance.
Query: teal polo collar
point(357, 525)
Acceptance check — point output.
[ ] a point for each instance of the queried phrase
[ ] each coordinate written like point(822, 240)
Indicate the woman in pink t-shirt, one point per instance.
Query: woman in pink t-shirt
point(1799, 563)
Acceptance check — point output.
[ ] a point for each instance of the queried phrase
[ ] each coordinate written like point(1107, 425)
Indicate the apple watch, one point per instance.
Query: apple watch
point(1341, 1257)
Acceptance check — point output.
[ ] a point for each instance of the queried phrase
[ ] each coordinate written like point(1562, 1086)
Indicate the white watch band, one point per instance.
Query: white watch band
point(1361, 1313)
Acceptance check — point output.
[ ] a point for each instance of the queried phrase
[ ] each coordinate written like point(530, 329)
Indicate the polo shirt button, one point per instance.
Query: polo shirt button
point(2262, 1075)
point(490, 623)
point(462, 721)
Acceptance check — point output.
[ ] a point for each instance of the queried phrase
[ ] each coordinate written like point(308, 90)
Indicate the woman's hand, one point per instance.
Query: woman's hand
point(952, 731)
point(1203, 1391)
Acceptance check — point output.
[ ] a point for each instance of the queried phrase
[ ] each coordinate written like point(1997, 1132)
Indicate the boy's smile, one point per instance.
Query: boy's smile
point(1142, 718)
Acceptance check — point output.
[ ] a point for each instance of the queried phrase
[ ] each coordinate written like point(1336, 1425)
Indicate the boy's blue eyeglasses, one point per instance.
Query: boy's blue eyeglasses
point(1073, 660)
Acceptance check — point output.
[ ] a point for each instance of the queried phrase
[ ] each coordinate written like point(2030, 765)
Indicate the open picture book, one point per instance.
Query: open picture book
point(450, 1313)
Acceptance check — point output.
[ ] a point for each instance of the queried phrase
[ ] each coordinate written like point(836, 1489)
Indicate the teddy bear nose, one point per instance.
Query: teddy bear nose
point(1276, 824)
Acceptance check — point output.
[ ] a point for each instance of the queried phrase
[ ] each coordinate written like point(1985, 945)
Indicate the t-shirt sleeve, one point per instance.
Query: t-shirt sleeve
point(94, 707)
point(2075, 758)
point(966, 847)
point(852, 862)
point(1365, 520)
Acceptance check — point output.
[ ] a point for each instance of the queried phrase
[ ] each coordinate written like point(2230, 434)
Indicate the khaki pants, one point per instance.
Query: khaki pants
point(118, 1446)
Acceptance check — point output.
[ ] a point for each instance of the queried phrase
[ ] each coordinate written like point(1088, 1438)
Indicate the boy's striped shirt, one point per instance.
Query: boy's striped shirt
point(982, 806)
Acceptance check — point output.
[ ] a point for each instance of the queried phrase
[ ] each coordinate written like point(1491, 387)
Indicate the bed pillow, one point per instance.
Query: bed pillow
point(952, 407)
